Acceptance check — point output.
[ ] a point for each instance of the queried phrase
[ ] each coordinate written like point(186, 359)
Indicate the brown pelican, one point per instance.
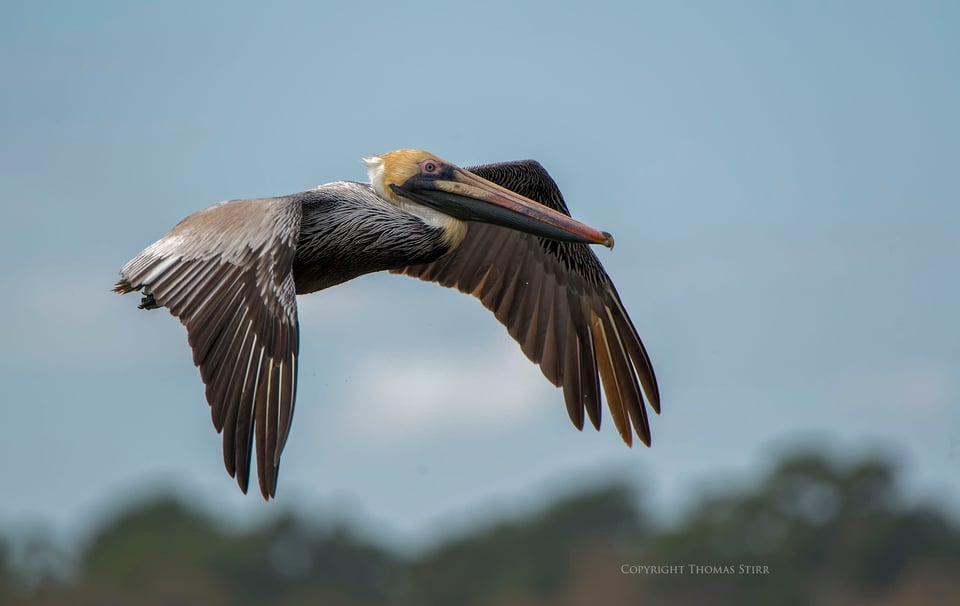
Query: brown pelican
point(500, 232)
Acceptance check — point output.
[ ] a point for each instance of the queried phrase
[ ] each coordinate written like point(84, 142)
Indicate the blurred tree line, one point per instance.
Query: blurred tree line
point(811, 532)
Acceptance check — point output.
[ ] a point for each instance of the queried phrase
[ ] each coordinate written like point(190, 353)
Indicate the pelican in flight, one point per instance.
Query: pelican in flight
point(500, 232)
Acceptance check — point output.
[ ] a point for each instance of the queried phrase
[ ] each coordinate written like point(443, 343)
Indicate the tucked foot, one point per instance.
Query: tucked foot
point(148, 302)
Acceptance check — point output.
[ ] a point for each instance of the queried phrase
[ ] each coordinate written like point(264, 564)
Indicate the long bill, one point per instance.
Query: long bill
point(465, 196)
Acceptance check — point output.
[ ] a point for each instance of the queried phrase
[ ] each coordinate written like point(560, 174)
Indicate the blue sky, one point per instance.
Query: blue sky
point(781, 179)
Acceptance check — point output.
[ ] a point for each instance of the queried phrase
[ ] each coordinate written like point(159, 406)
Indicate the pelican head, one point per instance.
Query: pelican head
point(447, 195)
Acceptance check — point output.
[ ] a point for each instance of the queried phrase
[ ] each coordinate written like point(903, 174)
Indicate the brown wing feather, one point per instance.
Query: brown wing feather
point(559, 304)
point(227, 273)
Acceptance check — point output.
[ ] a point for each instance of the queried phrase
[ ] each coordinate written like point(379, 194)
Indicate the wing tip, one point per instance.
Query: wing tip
point(654, 398)
point(123, 286)
point(595, 415)
point(575, 417)
point(271, 493)
point(243, 481)
point(268, 482)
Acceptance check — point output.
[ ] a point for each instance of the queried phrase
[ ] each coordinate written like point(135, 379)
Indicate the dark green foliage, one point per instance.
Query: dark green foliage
point(536, 553)
point(809, 520)
point(825, 533)
point(164, 544)
point(5, 573)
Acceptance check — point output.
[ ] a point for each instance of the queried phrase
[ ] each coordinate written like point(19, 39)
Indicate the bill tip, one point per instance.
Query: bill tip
point(607, 239)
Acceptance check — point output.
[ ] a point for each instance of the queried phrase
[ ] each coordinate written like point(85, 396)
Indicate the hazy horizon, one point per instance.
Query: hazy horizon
point(780, 179)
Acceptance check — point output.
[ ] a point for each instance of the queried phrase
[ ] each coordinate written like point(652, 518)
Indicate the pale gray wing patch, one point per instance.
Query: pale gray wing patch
point(226, 273)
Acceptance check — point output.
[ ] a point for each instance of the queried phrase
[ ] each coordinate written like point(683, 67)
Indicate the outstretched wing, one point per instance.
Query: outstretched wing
point(226, 273)
point(557, 301)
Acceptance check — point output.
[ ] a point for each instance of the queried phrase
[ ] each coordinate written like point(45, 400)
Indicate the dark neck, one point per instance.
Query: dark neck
point(348, 231)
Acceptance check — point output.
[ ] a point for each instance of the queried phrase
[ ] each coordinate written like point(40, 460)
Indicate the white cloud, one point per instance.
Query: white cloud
point(404, 398)
point(67, 318)
point(921, 389)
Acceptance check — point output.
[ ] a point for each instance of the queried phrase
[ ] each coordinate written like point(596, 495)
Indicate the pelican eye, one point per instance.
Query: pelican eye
point(430, 167)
